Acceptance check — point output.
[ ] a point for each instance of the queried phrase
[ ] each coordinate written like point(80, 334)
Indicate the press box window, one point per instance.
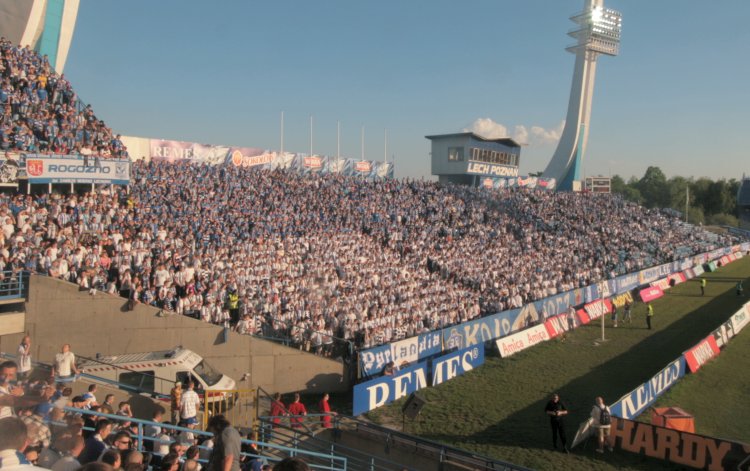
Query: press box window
point(456, 154)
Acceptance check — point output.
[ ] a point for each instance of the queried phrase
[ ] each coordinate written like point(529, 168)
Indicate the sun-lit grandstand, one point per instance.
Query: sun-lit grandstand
point(202, 288)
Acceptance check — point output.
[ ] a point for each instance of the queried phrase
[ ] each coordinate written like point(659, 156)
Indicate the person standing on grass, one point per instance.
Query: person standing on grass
point(627, 311)
point(556, 411)
point(739, 288)
point(703, 286)
point(602, 417)
point(649, 314)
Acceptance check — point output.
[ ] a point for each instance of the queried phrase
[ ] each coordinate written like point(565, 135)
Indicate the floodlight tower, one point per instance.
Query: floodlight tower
point(597, 32)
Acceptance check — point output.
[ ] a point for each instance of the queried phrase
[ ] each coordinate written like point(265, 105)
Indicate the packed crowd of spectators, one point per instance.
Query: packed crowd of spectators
point(43, 425)
point(313, 258)
point(40, 112)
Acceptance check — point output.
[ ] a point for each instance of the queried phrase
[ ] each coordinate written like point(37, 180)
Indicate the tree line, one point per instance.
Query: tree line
point(712, 202)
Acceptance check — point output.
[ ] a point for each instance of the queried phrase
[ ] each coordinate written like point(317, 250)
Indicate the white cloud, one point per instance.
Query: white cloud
point(532, 136)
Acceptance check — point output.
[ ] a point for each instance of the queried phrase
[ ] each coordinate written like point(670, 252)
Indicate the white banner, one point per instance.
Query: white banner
point(405, 352)
point(511, 344)
point(741, 318)
point(77, 169)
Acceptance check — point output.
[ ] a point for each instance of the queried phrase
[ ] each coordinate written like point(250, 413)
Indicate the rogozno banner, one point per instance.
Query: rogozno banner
point(77, 169)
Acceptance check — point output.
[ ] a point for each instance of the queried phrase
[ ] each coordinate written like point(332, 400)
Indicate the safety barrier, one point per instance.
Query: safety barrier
point(269, 452)
point(239, 406)
point(13, 285)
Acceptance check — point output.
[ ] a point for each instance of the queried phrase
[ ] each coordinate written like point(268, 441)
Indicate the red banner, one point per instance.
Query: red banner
point(678, 278)
point(583, 318)
point(557, 325)
point(649, 294)
point(701, 353)
point(662, 284)
point(598, 308)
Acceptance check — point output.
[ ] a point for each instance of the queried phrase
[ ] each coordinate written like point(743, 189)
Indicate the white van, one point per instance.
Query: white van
point(157, 372)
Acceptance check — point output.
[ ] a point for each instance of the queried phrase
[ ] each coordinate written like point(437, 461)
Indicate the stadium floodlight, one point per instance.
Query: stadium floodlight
point(597, 32)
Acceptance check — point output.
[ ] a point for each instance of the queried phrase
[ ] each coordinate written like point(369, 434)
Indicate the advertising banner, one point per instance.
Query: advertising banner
point(583, 318)
point(621, 299)
point(627, 282)
point(724, 334)
point(455, 364)
point(11, 168)
point(680, 448)
point(741, 318)
point(689, 274)
point(597, 309)
point(701, 353)
point(698, 270)
point(558, 325)
point(634, 403)
point(654, 273)
point(77, 169)
point(649, 294)
point(737, 255)
point(373, 360)
point(511, 344)
point(487, 328)
point(662, 284)
point(560, 303)
point(710, 266)
point(386, 389)
point(176, 151)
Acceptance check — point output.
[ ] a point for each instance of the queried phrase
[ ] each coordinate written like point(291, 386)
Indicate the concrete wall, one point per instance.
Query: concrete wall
point(57, 313)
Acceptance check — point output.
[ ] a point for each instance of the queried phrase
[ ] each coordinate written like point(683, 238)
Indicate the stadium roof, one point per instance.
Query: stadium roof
point(503, 140)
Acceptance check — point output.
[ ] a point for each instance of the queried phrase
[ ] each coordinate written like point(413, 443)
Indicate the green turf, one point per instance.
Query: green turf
point(497, 409)
point(717, 395)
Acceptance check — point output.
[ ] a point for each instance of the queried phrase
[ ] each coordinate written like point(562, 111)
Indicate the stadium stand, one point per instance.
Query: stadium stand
point(311, 259)
point(315, 257)
point(41, 112)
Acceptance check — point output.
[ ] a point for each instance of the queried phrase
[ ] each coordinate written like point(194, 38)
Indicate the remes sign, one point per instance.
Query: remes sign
point(386, 389)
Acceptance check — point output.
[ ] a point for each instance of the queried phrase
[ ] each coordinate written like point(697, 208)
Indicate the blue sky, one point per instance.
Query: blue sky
point(221, 72)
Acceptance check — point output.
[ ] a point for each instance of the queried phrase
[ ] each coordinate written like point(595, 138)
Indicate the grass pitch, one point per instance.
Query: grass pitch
point(498, 409)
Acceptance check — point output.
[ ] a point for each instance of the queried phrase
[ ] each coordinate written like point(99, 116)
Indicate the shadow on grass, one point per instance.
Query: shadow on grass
point(529, 427)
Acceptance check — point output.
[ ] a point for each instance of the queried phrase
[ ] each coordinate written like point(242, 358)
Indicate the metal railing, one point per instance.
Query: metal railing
point(391, 438)
point(299, 439)
point(270, 452)
point(13, 284)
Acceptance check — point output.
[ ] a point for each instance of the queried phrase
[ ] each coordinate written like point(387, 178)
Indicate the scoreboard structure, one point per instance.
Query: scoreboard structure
point(469, 159)
point(598, 184)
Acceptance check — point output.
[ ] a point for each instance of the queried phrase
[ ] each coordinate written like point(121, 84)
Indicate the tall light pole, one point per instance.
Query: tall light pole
point(598, 32)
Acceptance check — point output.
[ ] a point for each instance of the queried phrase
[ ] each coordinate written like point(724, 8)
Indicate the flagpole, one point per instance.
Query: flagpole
point(282, 134)
point(385, 146)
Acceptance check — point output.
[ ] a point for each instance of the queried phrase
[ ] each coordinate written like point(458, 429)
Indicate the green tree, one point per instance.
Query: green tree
point(677, 193)
point(654, 189)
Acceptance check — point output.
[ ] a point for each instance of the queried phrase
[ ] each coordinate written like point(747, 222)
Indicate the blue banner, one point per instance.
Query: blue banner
point(483, 330)
point(637, 401)
point(456, 364)
point(560, 303)
point(401, 353)
point(626, 283)
point(386, 389)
